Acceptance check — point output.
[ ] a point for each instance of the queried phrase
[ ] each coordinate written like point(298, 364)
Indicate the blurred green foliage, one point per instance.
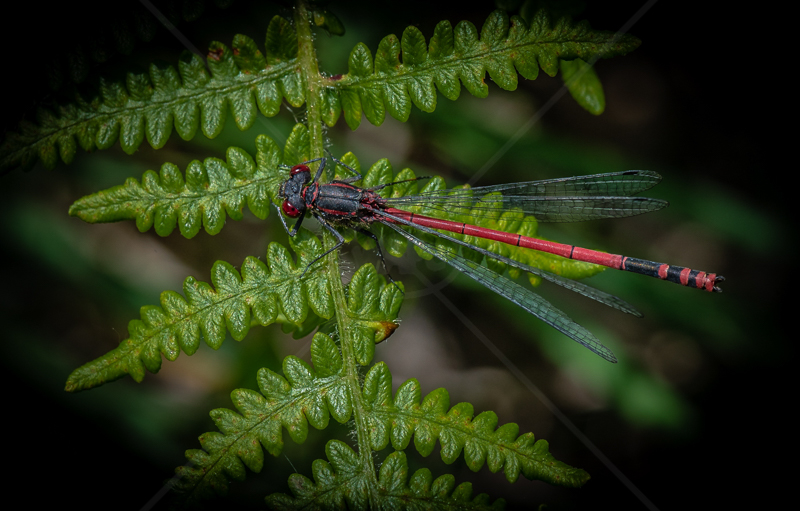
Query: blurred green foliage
point(70, 288)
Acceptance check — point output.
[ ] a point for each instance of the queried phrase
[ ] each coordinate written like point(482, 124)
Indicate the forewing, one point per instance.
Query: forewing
point(570, 199)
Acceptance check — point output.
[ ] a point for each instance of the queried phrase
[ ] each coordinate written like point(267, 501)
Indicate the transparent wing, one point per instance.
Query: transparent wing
point(512, 291)
point(569, 199)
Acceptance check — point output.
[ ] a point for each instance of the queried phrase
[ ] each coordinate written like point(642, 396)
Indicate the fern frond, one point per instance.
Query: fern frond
point(261, 294)
point(310, 395)
point(398, 418)
point(241, 79)
point(326, 20)
point(455, 56)
point(584, 85)
point(306, 395)
point(246, 81)
point(372, 307)
point(211, 190)
point(340, 483)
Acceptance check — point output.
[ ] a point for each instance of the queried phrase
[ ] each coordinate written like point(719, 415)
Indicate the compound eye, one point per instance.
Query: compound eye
point(301, 168)
point(291, 211)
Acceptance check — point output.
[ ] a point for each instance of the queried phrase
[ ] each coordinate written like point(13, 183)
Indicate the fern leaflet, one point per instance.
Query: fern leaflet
point(245, 81)
point(310, 395)
point(241, 79)
point(397, 419)
point(340, 484)
point(211, 191)
point(460, 55)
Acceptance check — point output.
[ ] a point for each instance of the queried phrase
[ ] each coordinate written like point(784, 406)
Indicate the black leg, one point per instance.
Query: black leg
point(322, 166)
point(296, 227)
point(380, 254)
point(348, 167)
point(319, 170)
point(293, 233)
point(339, 239)
point(376, 188)
point(285, 166)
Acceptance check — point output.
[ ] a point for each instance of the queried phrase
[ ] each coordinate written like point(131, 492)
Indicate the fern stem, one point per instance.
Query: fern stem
point(309, 65)
point(307, 56)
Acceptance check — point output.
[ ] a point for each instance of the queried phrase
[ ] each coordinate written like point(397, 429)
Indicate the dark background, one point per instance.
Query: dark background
point(693, 415)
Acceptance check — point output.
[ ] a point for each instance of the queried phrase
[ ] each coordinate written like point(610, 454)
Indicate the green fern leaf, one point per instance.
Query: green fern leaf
point(149, 105)
point(261, 294)
point(211, 190)
point(305, 395)
point(373, 305)
point(584, 85)
point(245, 81)
point(330, 105)
point(326, 20)
point(397, 419)
point(297, 148)
point(342, 484)
point(503, 49)
point(381, 172)
point(302, 397)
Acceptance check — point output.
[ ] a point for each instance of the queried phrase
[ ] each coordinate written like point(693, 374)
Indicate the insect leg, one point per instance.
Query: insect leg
point(284, 166)
point(323, 161)
point(376, 188)
point(293, 231)
point(339, 241)
point(322, 166)
point(348, 167)
point(380, 254)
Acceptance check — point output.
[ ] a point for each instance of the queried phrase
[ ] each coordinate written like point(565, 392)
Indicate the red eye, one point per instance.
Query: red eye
point(291, 211)
point(300, 168)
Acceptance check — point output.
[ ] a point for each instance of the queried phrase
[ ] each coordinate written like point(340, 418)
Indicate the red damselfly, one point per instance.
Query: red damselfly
point(554, 200)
